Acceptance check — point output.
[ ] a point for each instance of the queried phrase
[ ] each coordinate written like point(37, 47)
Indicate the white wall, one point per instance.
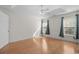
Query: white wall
point(23, 27)
point(4, 26)
point(24, 22)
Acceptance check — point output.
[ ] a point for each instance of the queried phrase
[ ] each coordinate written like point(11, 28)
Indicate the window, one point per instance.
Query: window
point(44, 27)
point(70, 25)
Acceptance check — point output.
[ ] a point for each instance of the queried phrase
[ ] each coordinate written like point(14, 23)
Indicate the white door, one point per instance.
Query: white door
point(4, 26)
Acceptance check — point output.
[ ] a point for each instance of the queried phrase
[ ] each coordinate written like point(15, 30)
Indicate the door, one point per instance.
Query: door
point(4, 26)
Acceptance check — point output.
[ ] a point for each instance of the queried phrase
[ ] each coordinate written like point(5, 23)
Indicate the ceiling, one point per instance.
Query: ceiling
point(60, 9)
point(48, 10)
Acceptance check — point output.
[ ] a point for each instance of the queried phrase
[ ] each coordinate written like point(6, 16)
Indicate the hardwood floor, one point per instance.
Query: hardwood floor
point(40, 45)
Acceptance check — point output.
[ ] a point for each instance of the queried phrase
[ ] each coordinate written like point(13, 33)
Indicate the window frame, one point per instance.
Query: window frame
point(65, 29)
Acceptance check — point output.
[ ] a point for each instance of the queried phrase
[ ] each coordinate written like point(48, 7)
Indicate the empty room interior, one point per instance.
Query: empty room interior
point(39, 29)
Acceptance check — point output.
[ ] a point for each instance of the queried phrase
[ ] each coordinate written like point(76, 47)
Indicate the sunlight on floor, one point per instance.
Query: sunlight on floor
point(44, 45)
point(36, 41)
point(68, 49)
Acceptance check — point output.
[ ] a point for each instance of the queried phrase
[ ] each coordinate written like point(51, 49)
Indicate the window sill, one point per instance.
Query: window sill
point(69, 35)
